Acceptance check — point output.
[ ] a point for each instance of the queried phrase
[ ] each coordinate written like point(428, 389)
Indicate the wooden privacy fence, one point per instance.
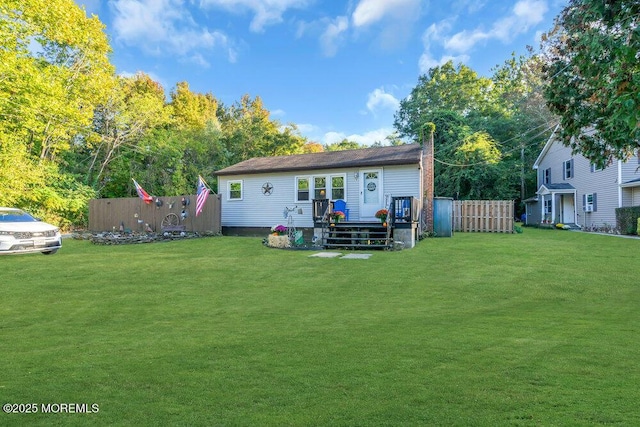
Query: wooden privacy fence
point(483, 215)
point(134, 214)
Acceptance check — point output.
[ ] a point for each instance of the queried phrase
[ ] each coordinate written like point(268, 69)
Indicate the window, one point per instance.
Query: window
point(595, 168)
point(590, 202)
point(320, 187)
point(302, 189)
point(235, 190)
point(546, 178)
point(337, 187)
point(547, 207)
point(568, 169)
point(325, 187)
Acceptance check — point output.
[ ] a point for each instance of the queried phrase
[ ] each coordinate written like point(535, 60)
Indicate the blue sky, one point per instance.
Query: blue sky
point(337, 69)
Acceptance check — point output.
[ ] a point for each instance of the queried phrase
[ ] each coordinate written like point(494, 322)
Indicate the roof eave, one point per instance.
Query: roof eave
point(346, 165)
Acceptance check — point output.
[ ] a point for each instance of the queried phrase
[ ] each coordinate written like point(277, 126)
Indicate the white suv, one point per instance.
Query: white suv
point(21, 233)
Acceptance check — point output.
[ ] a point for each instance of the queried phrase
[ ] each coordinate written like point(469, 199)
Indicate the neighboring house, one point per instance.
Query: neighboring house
point(573, 191)
point(256, 192)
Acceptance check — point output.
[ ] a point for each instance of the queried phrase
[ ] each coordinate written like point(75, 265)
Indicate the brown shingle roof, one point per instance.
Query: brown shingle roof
point(377, 156)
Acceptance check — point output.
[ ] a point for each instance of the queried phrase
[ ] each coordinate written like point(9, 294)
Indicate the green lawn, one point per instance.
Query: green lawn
point(540, 328)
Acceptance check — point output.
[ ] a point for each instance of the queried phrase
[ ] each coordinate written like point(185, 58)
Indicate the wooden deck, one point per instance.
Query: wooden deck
point(403, 214)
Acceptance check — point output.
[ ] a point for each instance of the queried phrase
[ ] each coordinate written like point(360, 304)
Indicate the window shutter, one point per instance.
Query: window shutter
point(584, 201)
point(564, 171)
point(573, 171)
point(595, 202)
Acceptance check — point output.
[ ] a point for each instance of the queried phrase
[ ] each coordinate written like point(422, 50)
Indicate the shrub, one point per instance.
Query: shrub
point(627, 219)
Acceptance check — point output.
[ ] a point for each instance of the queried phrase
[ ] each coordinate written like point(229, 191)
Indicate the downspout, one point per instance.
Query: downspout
point(575, 206)
point(619, 183)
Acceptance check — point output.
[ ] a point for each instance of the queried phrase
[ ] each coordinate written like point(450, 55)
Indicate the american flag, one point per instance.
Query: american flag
point(141, 193)
point(202, 194)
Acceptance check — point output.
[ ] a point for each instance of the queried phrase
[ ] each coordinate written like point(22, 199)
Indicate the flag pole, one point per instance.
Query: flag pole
point(206, 184)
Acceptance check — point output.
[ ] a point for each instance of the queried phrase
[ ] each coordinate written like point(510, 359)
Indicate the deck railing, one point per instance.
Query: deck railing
point(404, 209)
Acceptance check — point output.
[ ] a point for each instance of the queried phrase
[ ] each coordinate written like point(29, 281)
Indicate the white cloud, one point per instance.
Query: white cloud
point(381, 100)
point(368, 138)
point(265, 12)
point(307, 129)
point(392, 20)
point(435, 34)
point(523, 15)
point(368, 12)
point(161, 27)
point(333, 35)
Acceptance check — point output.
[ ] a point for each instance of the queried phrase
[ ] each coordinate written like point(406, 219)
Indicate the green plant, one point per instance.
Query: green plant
point(626, 219)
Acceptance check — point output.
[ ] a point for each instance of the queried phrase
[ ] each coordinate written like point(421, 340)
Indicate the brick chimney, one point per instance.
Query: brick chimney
point(427, 181)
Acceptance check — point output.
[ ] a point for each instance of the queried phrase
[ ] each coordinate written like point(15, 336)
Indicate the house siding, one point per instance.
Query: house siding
point(258, 210)
point(402, 181)
point(604, 183)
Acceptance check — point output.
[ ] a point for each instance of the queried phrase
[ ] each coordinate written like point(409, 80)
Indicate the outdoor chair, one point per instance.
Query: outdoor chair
point(341, 205)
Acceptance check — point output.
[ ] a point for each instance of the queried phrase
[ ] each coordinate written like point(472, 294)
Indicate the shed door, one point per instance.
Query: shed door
point(371, 195)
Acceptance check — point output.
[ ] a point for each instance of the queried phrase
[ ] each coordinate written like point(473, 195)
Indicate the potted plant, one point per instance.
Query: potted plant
point(279, 230)
point(382, 215)
point(337, 216)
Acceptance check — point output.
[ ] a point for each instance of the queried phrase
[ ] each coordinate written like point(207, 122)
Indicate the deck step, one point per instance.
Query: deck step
point(356, 235)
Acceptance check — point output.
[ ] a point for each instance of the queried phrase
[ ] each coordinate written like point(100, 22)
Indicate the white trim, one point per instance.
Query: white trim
point(235, 181)
point(546, 147)
point(295, 188)
point(328, 177)
point(380, 189)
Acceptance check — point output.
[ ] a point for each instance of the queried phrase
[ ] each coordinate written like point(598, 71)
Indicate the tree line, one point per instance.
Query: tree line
point(71, 129)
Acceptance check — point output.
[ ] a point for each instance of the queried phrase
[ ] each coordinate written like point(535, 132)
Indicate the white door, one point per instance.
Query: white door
point(371, 195)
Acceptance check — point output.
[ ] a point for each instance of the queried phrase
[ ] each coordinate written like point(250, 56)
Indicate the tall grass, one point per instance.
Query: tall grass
point(479, 329)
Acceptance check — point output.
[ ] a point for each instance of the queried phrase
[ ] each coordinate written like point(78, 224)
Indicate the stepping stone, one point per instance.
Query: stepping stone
point(326, 255)
point(357, 256)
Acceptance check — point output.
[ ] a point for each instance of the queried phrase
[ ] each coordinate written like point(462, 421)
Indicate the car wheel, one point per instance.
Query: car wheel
point(49, 252)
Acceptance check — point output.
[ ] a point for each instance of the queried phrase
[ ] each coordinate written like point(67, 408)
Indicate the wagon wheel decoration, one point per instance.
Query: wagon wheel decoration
point(267, 188)
point(170, 220)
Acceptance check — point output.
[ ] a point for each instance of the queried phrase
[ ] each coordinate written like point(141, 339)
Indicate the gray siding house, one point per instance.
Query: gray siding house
point(573, 191)
point(256, 192)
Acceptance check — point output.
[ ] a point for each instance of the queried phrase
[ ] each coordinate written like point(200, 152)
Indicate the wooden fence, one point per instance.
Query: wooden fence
point(133, 214)
point(483, 215)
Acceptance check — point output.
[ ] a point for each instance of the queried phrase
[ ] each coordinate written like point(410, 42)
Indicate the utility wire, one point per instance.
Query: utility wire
point(484, 162)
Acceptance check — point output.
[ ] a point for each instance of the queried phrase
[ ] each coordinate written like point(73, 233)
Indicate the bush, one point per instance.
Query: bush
point(627, 219)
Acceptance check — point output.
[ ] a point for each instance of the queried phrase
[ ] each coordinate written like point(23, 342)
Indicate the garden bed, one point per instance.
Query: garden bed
point(109, 238)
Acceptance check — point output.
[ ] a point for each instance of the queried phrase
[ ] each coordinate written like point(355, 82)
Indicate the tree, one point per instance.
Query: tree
point(312, 147)
point(193, 110)
point(487, 131)
point(593, 73)
point(345, 144)
point(445, 88)
point(135, 107)
point(54, 69)
point(249, 132)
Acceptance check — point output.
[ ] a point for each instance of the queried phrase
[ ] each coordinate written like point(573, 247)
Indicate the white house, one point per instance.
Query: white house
point(257, 192)
point(573, 191)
